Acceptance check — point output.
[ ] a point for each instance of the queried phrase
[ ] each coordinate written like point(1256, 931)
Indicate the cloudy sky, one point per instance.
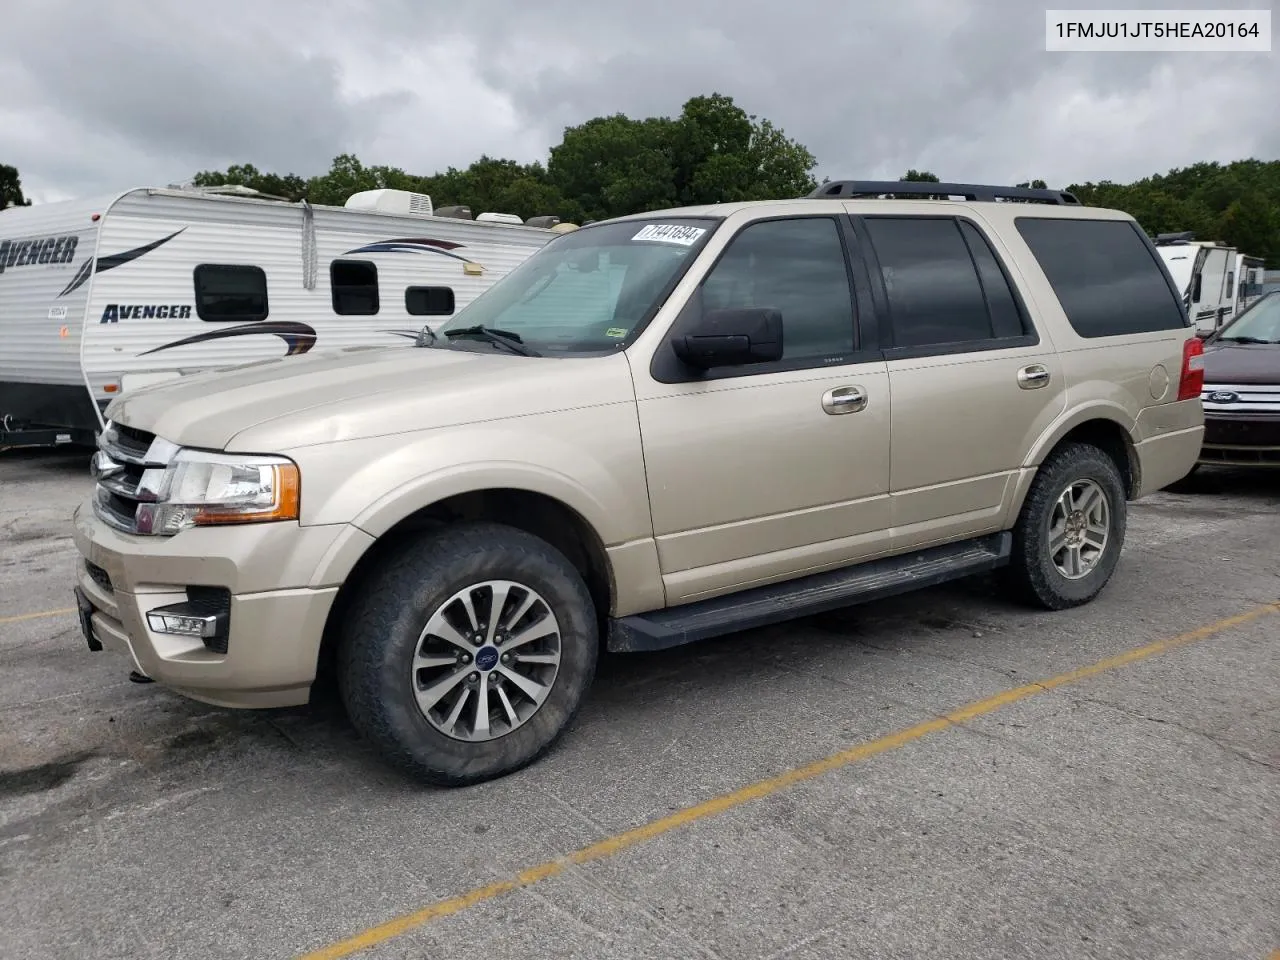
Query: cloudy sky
point(97, 96)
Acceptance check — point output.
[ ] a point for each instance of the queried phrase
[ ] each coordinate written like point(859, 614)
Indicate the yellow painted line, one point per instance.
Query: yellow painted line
point(36, 616)
point(622, 841)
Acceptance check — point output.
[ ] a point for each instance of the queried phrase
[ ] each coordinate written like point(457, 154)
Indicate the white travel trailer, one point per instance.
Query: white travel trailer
point(1250, 280)
point(100, 296)
point(1204, 272)
point(1217, 281)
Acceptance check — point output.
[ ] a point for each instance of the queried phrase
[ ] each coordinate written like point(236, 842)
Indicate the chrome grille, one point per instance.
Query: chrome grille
point(1241, 398)
point(128, 468)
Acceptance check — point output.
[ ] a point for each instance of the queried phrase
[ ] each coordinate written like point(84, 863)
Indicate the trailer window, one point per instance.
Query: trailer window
point(355, 287)
point(429, 301)
point(226, 291)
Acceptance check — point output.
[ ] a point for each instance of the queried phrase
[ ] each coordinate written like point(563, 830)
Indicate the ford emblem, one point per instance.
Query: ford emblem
point(1223, 396)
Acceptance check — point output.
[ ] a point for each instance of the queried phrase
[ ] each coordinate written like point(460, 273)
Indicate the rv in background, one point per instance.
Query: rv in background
point(1251, 280)
point(100, 296)
point(1216, 281)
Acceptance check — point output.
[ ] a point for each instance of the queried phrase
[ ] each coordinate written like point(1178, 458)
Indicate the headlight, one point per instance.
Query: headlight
point(199, 489)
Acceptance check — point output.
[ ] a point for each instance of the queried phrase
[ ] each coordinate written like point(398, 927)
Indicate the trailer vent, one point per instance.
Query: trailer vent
point(498, 218)
point(403, 202)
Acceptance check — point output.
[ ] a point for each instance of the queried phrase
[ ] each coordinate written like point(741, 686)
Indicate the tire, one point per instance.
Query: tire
point(1033, 573)
point(380, 684)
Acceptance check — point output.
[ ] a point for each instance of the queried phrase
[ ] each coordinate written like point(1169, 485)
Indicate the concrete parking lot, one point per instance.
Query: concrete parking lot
point(967, 779)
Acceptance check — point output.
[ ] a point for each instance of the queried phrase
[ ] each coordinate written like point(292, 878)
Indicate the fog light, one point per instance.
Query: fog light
point(183, 625)
point(205, 616)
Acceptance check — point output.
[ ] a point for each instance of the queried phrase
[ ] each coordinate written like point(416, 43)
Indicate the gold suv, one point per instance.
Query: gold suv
point(657, 429)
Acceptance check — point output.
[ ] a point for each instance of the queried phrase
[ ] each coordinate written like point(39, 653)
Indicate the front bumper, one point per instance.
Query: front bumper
point(1241, 439)
point(276, 615)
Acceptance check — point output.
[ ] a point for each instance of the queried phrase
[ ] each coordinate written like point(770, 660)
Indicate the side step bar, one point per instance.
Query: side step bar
point(806, 596)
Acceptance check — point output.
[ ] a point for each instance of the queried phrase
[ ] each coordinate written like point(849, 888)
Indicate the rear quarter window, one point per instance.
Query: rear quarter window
point(1105, 274)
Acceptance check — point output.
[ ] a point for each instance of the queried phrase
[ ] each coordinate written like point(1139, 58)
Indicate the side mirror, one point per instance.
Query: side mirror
point(723, 338)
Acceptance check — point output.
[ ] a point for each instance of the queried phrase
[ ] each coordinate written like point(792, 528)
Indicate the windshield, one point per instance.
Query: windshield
point(587, 291)
point(1261, 322)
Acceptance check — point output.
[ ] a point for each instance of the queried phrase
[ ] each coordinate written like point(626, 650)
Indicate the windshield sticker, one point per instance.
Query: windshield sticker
point(616, 332)
point(670, 233)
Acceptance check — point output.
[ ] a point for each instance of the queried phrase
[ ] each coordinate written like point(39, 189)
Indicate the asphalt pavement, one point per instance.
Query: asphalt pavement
point(940, 775)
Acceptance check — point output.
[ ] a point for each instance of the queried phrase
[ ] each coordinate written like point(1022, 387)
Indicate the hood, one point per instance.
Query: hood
point(1241, 363)
point(277, 405)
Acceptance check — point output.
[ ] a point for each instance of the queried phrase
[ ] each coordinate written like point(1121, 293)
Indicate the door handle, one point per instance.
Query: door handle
point(1034, 376)
point(844, 400)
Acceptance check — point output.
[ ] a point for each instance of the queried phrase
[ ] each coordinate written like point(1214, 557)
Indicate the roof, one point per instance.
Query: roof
point(874, 205)
point(834, 194)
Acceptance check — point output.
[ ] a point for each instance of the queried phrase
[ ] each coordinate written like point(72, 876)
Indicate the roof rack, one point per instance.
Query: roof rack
point(924, 188)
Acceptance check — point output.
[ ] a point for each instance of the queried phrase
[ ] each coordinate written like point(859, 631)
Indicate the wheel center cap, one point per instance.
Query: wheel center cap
point(1075, 527)
point(486, 658)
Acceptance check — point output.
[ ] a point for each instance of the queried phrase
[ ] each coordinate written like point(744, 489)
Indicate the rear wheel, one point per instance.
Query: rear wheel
point(1068, 538)
point(468, 653)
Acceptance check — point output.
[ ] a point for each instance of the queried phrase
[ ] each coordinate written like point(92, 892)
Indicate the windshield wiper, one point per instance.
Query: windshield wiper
point(504, 338)
point(1245, 340)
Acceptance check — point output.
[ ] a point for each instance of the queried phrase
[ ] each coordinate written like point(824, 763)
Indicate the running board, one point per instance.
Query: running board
point(806, 596)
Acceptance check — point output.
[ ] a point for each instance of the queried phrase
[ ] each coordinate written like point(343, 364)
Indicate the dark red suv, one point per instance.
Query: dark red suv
point(1241, 395)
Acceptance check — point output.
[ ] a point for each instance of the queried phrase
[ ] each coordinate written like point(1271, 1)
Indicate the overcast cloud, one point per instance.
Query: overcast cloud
point(95, 97)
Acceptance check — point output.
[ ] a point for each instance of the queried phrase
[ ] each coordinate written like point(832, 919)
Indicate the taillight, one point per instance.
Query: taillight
point(1191, 382)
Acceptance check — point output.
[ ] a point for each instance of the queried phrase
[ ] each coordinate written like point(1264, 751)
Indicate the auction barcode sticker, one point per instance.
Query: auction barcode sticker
point(1171, 31)
point(670, 233)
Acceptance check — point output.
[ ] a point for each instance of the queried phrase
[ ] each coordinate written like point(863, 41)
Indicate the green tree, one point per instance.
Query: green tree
point(714, 151)
point(1249, 225)
point(11, 188)
point(721, 153)
point(611, 166)
point(1237, 202)
point(1034, 184)
point(289, 187)
point(500, 185)
point(348, 175)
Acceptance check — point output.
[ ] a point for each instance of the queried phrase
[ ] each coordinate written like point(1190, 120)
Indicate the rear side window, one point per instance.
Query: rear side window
point(226, 291)
point(1107, 279)
point(429, 301)
point(935, 294)
point(355, 287)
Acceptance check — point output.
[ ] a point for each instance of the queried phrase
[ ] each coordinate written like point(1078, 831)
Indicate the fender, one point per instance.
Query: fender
point(402, 502)
point(591, 464)
point(1073, 417)
point(431, 488)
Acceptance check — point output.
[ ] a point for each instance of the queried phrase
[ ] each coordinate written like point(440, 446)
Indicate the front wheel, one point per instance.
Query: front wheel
point(1070, 532)
point(467, 653)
